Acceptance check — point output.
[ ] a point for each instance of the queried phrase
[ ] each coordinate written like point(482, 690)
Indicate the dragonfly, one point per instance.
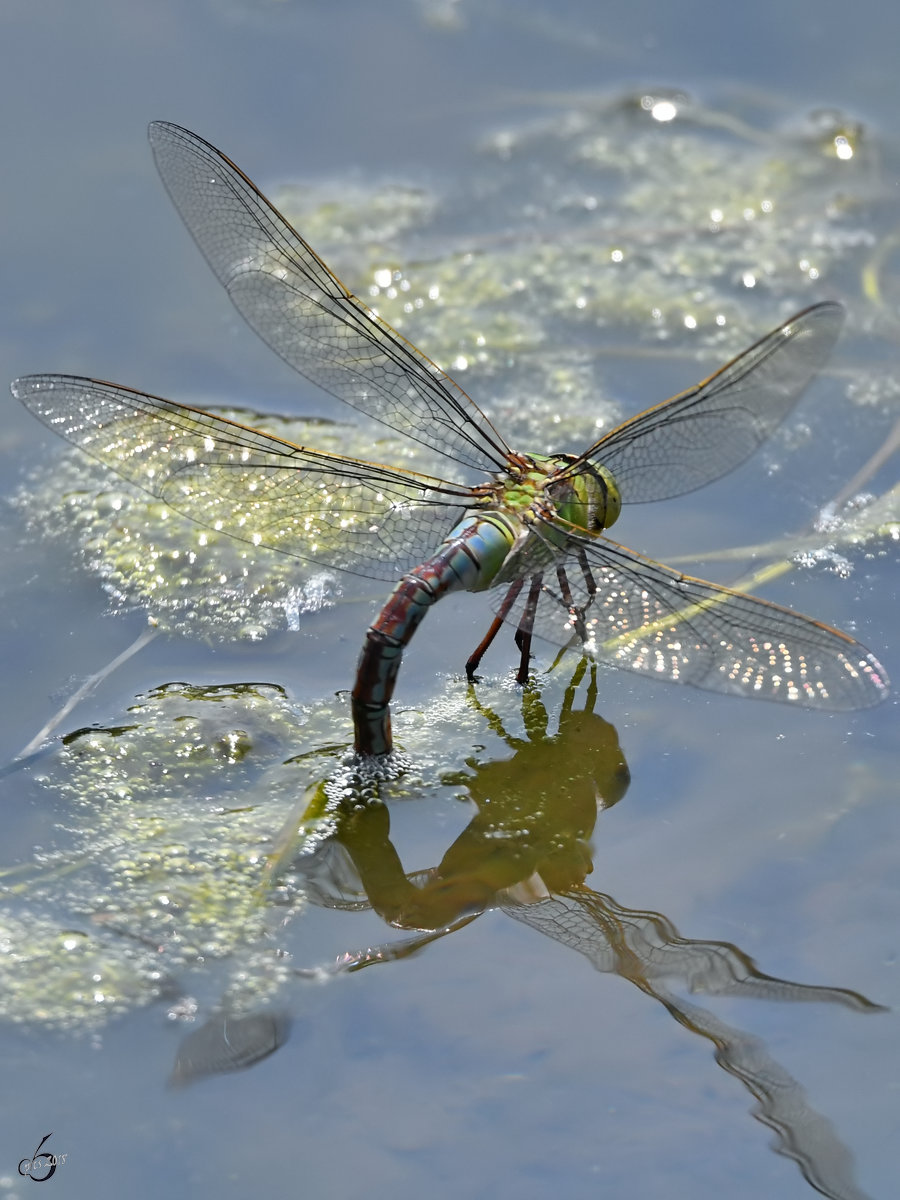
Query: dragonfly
point(533, 524)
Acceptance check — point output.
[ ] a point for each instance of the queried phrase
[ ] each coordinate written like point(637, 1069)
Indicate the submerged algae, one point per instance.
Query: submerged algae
point(162, 827)
point(172, 862)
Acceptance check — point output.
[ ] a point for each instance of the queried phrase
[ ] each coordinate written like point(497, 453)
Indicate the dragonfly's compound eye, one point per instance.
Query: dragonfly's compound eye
point(588, 498)
point(608, 512)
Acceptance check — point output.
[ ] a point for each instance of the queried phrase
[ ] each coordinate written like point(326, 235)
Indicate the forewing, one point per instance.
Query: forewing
point(706, 432)
point(338, 512)
point(287, 294)
point(635, 613)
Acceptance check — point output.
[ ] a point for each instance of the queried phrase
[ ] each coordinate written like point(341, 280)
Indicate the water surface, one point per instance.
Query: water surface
point(503, 154)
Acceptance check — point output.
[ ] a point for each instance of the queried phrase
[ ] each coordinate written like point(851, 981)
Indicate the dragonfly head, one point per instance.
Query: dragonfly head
point(587, 498)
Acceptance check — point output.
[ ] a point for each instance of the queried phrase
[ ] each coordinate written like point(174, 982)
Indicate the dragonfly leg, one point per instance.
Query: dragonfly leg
point(576, 615)
point(474, 659)
point(473, 662)
point(523, 641)
point(589, 581)
point(526, 625)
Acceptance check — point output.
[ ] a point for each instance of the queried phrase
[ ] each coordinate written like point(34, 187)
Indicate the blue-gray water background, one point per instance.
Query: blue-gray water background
point(496, 1063)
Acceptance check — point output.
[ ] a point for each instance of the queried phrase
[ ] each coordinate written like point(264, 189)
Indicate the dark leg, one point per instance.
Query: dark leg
point(480, 650)
point(589, 580)
point(523, 641)
point(575, 613)
point(526, 625)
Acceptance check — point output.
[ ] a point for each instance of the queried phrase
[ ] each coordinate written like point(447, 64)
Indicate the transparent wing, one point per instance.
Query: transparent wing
point(645, 947)
point(621, 608)
point(339, 512)
point(287, 294)
point(706, 432)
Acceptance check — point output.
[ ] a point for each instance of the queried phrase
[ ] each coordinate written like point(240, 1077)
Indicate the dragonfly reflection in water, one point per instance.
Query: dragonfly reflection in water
point(534, 523)
point(527, 850)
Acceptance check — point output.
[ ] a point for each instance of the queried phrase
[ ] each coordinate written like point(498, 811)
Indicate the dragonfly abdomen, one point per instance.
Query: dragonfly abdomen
point(467, 560)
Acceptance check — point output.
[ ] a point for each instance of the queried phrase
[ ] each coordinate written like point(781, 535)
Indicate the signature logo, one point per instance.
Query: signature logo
point(40, 1162)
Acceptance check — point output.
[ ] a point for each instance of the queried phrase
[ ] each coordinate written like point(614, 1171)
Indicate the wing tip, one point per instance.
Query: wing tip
point(157, 130)
point(26, 386)
point(875, 678)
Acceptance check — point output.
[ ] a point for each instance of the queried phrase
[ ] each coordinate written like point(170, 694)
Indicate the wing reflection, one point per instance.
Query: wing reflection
point(527, 852)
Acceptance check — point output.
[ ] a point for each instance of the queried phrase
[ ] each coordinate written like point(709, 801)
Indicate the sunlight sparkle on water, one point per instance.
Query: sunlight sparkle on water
point(660, 110)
